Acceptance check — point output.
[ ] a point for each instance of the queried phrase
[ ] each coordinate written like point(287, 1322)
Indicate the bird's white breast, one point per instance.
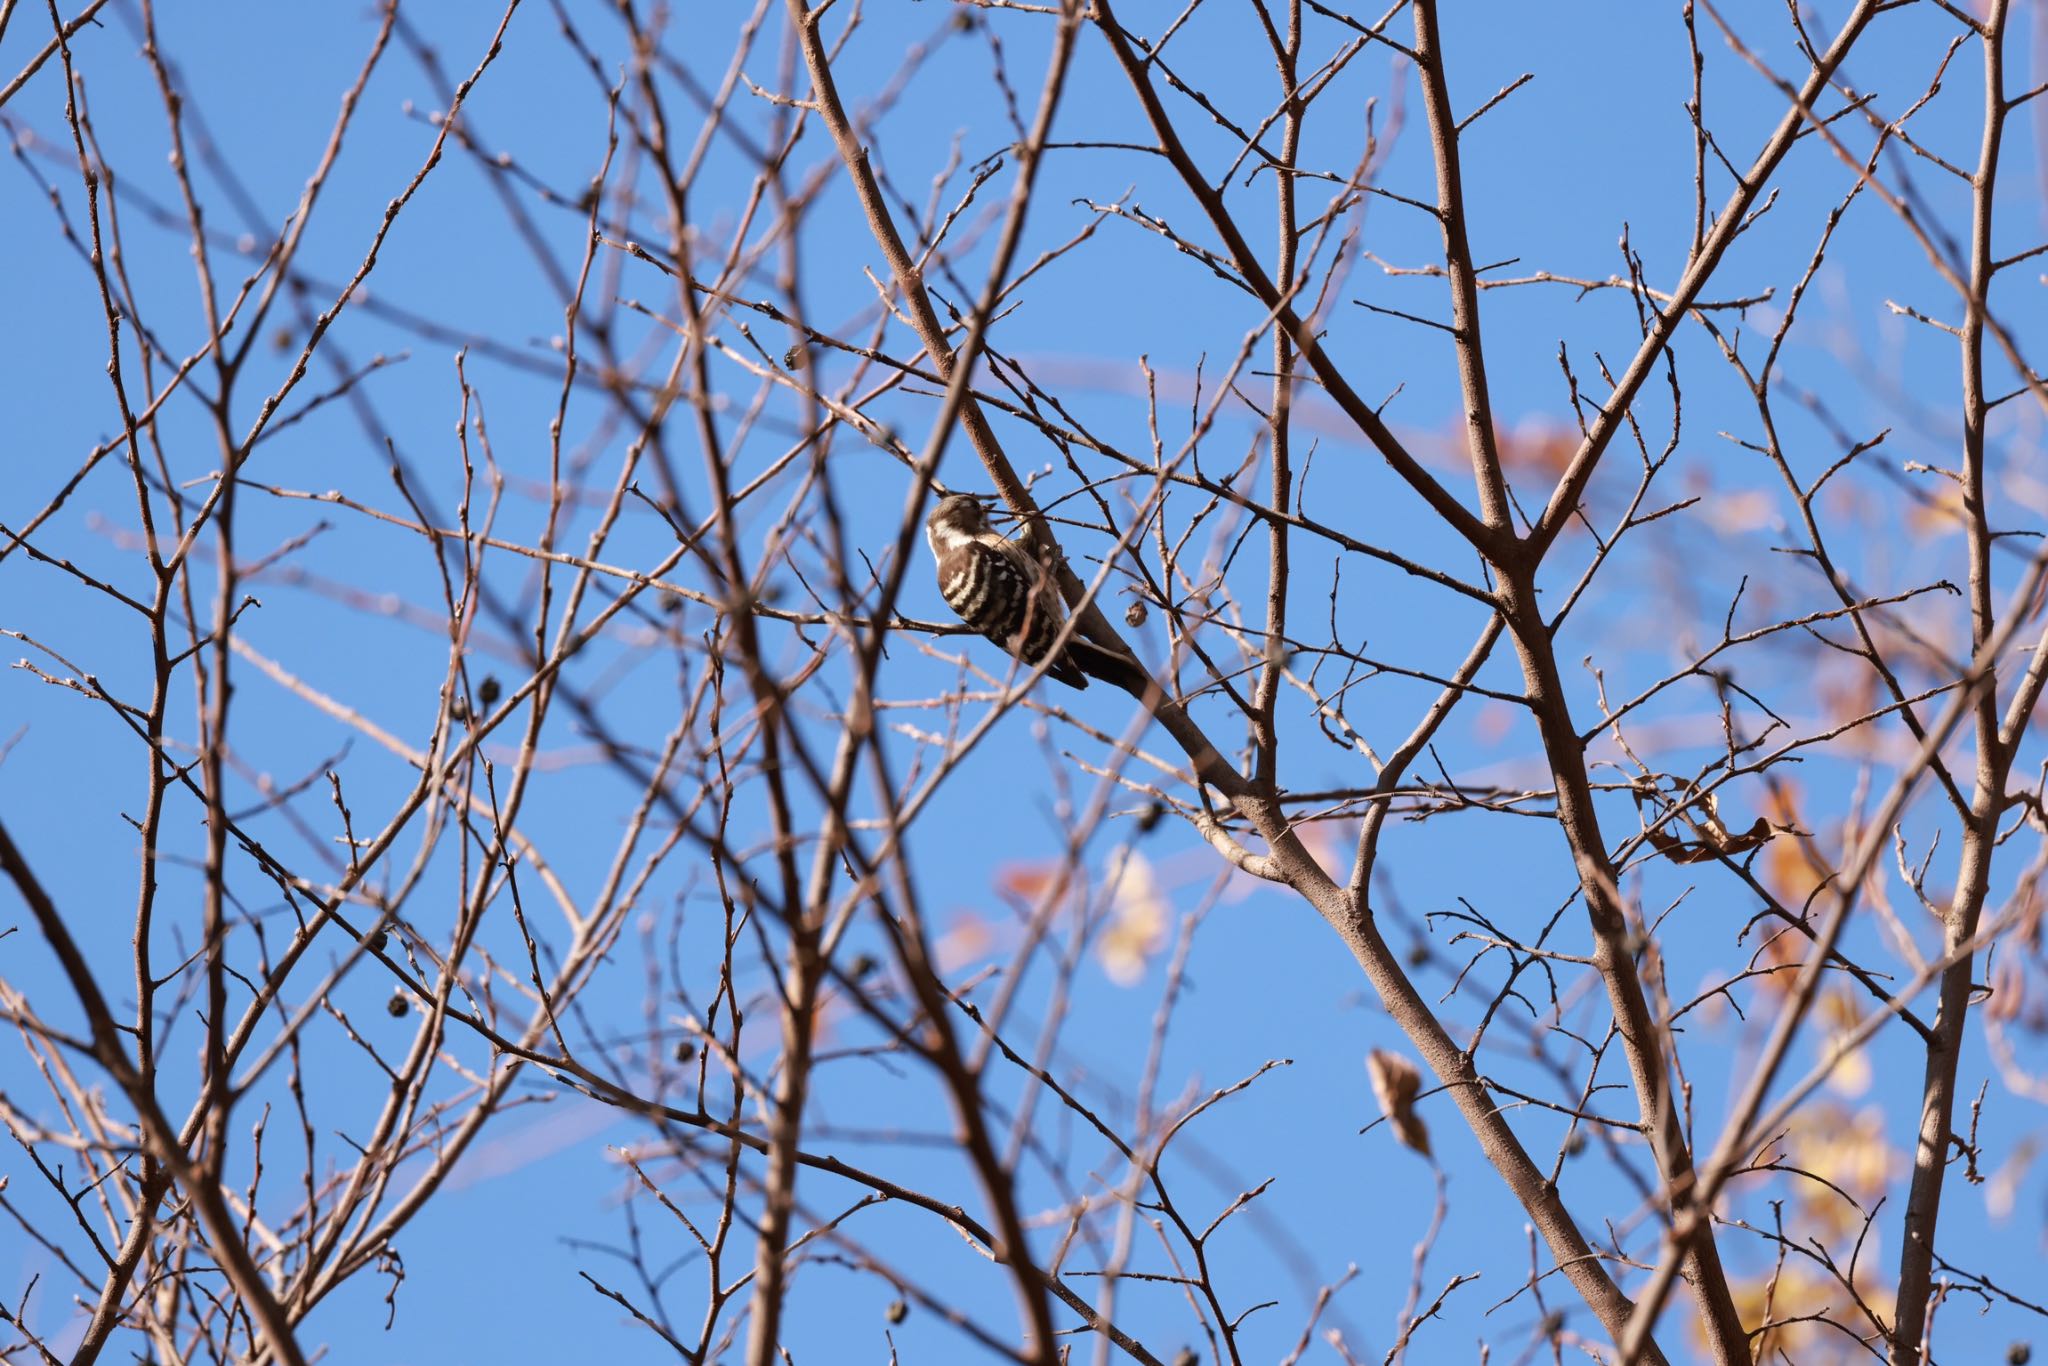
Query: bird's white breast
point(943, 538)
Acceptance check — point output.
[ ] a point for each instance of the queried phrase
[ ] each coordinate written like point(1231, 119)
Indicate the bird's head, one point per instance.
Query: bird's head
point(958, 517)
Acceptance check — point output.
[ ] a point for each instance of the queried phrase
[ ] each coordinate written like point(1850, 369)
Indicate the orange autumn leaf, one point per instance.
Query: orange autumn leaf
point(1788, 1305)
point(964, 941)
point(1783, 951)
point(1537, 445)
point(1330, 843)
point(1026, 881)
point(1734, 513)
point(2008, 991)
point(1789, 869)
point(1844, 699)
point(1850, 1073)
point(1846, 1149)
point(1493, 721)
point(1941, 513)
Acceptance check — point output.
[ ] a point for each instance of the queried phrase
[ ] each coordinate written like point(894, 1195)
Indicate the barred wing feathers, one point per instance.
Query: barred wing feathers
point(1003, 596)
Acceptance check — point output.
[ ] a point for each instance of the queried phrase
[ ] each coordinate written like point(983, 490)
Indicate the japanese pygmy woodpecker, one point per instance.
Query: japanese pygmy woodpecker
point(1002, 590)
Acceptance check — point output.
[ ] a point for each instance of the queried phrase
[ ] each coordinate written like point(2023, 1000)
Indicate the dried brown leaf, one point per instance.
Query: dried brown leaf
point(1395, 1083)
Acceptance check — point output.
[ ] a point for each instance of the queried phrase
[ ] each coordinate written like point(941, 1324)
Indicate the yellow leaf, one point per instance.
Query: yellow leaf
point(1137, 924)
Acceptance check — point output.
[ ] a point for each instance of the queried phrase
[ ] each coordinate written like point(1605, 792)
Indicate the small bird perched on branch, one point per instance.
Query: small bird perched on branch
point(1002, 590)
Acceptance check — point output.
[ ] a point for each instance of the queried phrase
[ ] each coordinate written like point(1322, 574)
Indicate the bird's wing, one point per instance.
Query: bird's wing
point(1048, 613)
point(1004, 594)
point(983, 587)
point(1082, 657)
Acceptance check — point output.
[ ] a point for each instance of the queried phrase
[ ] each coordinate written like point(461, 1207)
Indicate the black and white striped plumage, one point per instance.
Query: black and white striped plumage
point(997, 587)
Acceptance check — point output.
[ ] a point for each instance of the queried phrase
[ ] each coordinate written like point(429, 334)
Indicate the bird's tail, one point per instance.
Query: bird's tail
point(1111, 666)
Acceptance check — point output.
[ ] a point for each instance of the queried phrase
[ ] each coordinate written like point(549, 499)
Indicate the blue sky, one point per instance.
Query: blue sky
point(1598, 143)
